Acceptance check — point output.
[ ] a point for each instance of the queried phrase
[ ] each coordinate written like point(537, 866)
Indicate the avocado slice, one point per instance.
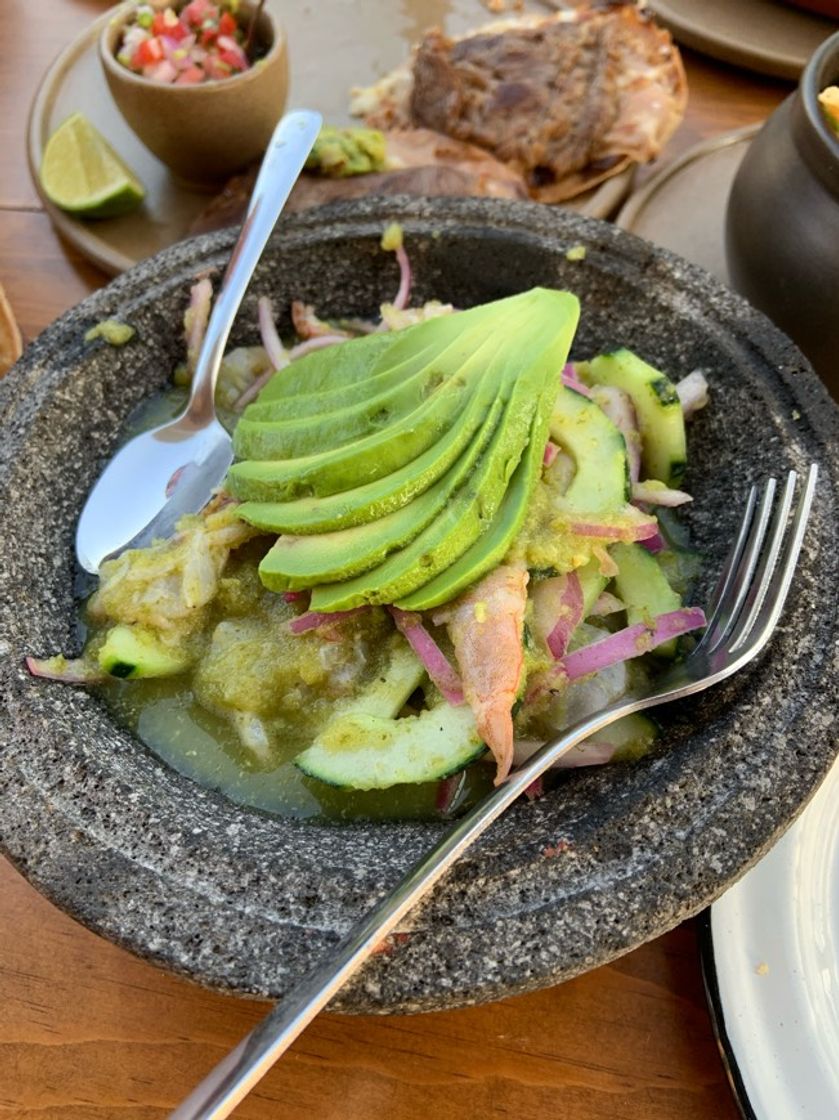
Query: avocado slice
point(362, 460)
point(490, 548)
point(374, 499)
point(457, 365)
point(461, 522)
point(300, 405)
point(359, 361)
point(540, 349)
point(272, 438)
point(328, 370)
point(296, 562)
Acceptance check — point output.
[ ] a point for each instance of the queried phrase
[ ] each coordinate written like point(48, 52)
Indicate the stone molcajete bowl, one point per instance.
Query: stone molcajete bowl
point(613, 856)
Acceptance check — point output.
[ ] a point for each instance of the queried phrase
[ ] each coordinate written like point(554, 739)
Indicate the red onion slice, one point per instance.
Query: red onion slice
point(312, 620)
point(319, 342)
point(557, 610)
point(536, 789)
point(68, 672)
point(692, 392)
point(655, 495)
point(571, 380)
point(633, 641)
point(434, 661)
point(277, 356)
point(404, 293)
point(275, 350)
point(629, 530)
point(655, 543)
point(607, 603)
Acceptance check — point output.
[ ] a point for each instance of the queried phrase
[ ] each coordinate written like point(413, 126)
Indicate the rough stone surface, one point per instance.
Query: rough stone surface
point(243, 901)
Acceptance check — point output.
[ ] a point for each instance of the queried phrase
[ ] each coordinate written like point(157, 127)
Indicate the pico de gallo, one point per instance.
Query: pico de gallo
point(203, 42)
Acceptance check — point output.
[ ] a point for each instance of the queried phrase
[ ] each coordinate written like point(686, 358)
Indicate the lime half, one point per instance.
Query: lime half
point(82, 173)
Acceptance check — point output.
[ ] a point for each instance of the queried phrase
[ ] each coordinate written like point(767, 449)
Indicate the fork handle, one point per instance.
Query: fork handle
point(233, 1078)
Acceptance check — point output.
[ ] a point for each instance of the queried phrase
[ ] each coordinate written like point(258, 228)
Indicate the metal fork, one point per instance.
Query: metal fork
point(742, 615)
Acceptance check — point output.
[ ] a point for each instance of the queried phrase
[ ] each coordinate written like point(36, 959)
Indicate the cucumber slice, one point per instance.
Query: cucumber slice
point(632, 736)
point(592, 585)
point(363, 751)
point(387, 695)
point(601, 483)
point(660, 417)
point(132, 652)
point(643, 586)
point(366, 747)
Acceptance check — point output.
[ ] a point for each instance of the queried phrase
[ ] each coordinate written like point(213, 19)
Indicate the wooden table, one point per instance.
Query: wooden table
point(88, 1032)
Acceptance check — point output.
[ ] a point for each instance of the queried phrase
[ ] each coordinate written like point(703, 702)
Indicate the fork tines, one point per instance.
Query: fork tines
point(756, 576)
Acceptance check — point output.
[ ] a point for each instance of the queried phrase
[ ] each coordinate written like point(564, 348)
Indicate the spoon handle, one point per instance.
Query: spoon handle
point(283, 161)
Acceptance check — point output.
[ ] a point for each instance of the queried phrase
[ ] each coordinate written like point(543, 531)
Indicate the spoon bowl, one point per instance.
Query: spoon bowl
point(168, 472)
point(172, 470)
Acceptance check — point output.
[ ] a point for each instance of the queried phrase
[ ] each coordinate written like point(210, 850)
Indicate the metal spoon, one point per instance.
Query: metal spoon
point(172, 470)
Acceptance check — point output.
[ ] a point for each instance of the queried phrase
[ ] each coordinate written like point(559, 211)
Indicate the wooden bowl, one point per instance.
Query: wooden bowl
point(203, 133)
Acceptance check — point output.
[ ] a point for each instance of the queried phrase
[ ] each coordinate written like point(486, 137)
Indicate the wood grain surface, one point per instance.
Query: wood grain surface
point(88, 1032)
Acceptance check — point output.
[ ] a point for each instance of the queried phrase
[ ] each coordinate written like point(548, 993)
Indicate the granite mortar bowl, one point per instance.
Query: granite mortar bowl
point(246, 902)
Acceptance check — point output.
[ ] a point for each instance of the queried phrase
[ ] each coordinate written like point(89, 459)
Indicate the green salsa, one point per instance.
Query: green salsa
point(247, 661)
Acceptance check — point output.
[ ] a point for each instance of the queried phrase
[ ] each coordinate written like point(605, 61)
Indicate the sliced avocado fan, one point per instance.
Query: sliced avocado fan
point(402, 472)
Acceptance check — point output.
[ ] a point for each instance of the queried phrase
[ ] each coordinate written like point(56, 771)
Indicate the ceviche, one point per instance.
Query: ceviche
point(441, 540)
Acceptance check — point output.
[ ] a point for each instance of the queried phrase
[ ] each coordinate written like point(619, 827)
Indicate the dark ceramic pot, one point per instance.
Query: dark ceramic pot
point(248, 902)
point(782, 227)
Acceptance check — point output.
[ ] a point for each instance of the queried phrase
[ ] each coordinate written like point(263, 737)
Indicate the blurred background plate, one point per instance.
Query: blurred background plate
point(770, 957)
point(361, 43)
point(764, 35)
point(683, 207)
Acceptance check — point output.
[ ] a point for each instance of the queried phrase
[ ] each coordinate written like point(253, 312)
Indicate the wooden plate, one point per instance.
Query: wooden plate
point(361, 41)
point(762, 35)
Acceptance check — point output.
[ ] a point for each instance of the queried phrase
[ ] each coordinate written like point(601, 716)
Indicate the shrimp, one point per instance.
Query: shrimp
point(485, 626)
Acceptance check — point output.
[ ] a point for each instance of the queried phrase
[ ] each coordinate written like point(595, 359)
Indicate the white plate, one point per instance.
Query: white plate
point(772, 967)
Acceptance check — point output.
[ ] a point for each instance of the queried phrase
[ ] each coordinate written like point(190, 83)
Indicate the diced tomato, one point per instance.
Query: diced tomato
point(227, 24)
point(208, 36)
point(177, 32)
point(147, 53)
point(233, 60)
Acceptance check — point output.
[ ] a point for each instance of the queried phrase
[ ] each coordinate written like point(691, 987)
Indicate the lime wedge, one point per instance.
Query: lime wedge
point(81, 173)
